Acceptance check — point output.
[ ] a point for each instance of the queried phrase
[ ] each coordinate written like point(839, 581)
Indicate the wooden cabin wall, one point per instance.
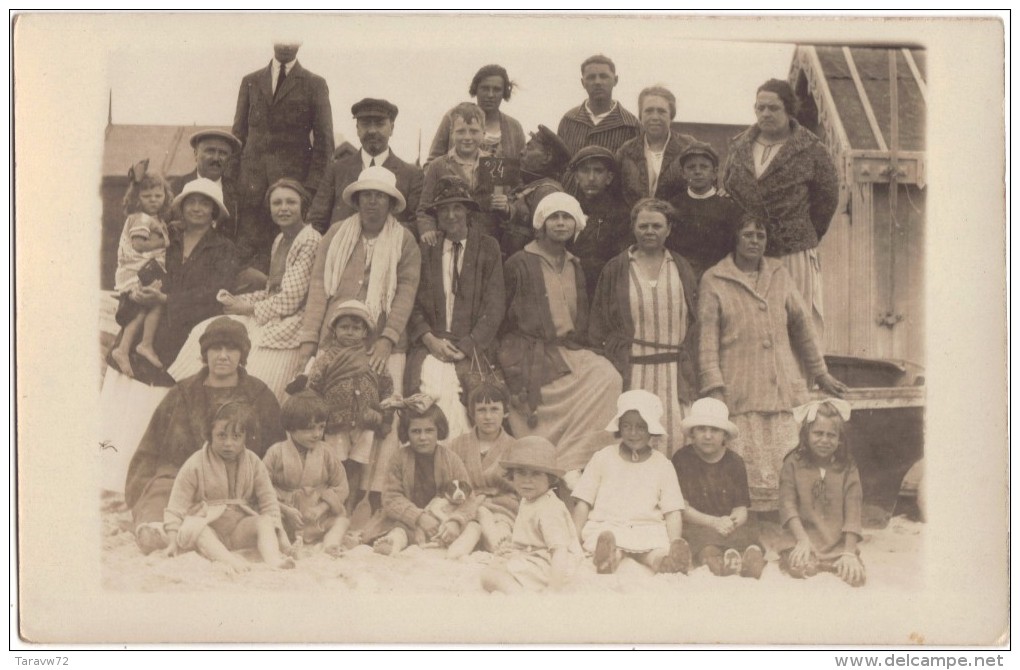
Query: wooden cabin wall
point(112, 190)
point(899, 271)
point(873, 264)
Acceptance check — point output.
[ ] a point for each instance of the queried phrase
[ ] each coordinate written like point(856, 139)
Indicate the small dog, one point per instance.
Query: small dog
point(452, 495)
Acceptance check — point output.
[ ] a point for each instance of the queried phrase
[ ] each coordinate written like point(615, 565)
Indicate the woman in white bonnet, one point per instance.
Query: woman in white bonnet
point(560, 389)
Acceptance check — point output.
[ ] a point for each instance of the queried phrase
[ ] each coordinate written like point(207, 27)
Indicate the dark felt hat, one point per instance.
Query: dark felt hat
point(224, 330)
point(452, 189)
point(699, 149)
point(374, 107)
point(561, 154)
point(593, 151)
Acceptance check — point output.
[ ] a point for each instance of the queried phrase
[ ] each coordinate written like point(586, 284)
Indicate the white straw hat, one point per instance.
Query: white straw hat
point(207, 187)
point(643, 402)
point(710, 412)
point(376, 178)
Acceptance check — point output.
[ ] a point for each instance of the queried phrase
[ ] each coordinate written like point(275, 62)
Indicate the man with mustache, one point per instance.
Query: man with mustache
point(285, 124)
point(598, 120)
point(375, 120)
point(214, 149)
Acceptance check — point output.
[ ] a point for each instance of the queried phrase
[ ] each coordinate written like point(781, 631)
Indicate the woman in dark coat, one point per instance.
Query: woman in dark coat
point(177, 428)
point(457, 312)
point(644, 316)
point(780, 172)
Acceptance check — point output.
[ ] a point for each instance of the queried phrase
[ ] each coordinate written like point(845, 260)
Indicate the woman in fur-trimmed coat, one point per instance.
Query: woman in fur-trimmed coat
point(782, 173)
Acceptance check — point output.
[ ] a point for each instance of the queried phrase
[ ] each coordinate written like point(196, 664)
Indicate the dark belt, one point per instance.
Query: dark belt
point(653, 359)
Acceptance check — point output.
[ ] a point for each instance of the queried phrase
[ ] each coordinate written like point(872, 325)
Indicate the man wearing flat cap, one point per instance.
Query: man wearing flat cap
point(214, 150)
point(543, 160)
point(285, 125)
point(594, 173)
point(375, 119)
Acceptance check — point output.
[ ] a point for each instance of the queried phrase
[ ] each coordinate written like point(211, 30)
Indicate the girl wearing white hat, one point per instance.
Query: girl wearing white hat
point(714, 481)
point(628, 501)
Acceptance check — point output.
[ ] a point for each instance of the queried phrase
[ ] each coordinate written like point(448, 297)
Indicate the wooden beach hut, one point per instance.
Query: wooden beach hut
point(868, 105)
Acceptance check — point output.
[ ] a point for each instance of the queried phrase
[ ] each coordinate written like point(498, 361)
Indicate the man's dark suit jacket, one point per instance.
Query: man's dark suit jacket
point(290, 135)
point(328, 207)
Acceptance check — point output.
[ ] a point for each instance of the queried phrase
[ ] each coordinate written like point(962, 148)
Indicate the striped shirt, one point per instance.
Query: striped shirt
point(577, 130)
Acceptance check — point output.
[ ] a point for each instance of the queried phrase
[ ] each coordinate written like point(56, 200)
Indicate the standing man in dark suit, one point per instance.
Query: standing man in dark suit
point(285, 124)
point(213, 151)
point(375, 127)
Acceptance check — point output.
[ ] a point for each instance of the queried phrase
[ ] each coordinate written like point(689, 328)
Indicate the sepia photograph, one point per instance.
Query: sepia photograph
point(534, 329)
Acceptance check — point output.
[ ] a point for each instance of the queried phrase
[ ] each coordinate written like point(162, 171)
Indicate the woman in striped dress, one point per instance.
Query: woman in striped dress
point(272, 315)
point(755, 328)
point(644, 314)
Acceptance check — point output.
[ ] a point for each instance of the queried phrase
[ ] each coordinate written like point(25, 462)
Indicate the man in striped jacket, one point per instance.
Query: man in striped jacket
point(599, 120)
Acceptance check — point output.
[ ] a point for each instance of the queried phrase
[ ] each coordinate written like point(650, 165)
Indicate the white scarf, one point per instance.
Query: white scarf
point(382, 277)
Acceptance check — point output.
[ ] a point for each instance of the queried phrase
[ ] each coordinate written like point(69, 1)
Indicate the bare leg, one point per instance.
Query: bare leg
point(495, 533)
point(269, 544)
point(122, 354)
point(391, 543)
point(651, 559)
point(331, 542)
point(149, 325)
point(467, 541)
point(210, 546)
point(494, 579)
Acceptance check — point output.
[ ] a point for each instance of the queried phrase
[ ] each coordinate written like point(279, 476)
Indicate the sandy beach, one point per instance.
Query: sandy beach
point(893, 557)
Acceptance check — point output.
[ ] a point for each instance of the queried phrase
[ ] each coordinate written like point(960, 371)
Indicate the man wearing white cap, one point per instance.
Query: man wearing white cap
point(369, 257)
point(214, 149)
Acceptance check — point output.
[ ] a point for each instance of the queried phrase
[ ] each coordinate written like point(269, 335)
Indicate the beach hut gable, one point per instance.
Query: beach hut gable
point(868, 106)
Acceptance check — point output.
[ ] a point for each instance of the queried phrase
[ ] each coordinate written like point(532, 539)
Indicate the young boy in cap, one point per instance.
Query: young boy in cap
point(467, 123)
point(353, 392)
point(701, 233)
point(607, 233)
point(714, 483)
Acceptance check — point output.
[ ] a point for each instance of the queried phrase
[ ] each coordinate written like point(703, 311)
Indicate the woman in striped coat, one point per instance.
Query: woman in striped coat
point(644, 315)
point(754, 327)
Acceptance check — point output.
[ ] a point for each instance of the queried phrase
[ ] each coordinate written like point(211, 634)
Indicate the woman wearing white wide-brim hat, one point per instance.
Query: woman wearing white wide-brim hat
point(368, 257)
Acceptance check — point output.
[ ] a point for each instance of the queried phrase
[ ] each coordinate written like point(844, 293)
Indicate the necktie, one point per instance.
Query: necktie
point(280, 79)
point(455, 284)
point(372, 164)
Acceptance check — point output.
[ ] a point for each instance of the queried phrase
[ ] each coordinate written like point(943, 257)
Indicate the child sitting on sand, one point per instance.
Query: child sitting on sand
point(545, 550)
point(628, 498)
point(223, 500)
point(309, 479)
point(714, 483)
point(820, 497)
point(416, 474)
point(481, 449)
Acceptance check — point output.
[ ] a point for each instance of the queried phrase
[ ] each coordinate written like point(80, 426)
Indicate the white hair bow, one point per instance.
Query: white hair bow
point(808, 411)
